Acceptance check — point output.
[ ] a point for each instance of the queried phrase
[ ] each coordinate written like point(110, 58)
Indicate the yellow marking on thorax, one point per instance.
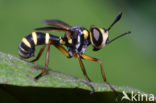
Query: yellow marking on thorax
point(85, 33)
point(61, 41)
point(25, 41)
point(34, 35)
point(69, 39)
point(47, 38)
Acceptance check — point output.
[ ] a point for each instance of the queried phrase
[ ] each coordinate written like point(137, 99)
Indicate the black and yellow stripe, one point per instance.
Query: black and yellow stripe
point(39, 38)
point(34, 35)
point(28, 43)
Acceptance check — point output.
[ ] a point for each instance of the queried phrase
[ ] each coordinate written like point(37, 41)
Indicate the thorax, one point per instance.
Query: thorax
point(77, 43)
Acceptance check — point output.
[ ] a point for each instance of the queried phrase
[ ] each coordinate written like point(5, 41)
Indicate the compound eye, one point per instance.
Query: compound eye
point(96, 34)
point(96, 37)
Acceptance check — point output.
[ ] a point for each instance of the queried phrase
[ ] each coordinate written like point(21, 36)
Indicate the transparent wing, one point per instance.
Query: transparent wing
point(57, 23)
point(53, 29)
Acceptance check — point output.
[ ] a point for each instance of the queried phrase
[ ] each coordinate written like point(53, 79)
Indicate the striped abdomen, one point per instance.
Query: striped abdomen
point(28, 43)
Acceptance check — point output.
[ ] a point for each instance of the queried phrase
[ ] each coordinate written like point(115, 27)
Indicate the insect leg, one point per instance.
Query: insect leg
point(85, 74)
point(102, 71)
point(59, 47)
point(39, 54)
point(46, 64)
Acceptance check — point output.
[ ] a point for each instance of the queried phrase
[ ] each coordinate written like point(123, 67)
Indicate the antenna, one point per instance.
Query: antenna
point(121, 35)
point(116, 20)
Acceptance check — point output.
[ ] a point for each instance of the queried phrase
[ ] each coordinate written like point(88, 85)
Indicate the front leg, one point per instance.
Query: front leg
point(84, 73)
point(85, 57)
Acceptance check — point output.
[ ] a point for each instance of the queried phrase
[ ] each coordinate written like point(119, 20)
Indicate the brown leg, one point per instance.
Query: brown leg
point(102, 71)
point(59, 47)
point(85, 74)
point(39, 54)
point(46, 64)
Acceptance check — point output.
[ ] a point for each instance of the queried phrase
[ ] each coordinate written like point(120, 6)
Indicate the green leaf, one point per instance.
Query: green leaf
point(16, 82)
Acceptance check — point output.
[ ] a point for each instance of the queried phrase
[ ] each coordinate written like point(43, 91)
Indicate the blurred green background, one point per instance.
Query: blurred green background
point(129, 61)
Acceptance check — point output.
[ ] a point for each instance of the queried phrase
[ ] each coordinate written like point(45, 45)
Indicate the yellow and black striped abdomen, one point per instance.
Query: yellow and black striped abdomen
point(28, 43)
